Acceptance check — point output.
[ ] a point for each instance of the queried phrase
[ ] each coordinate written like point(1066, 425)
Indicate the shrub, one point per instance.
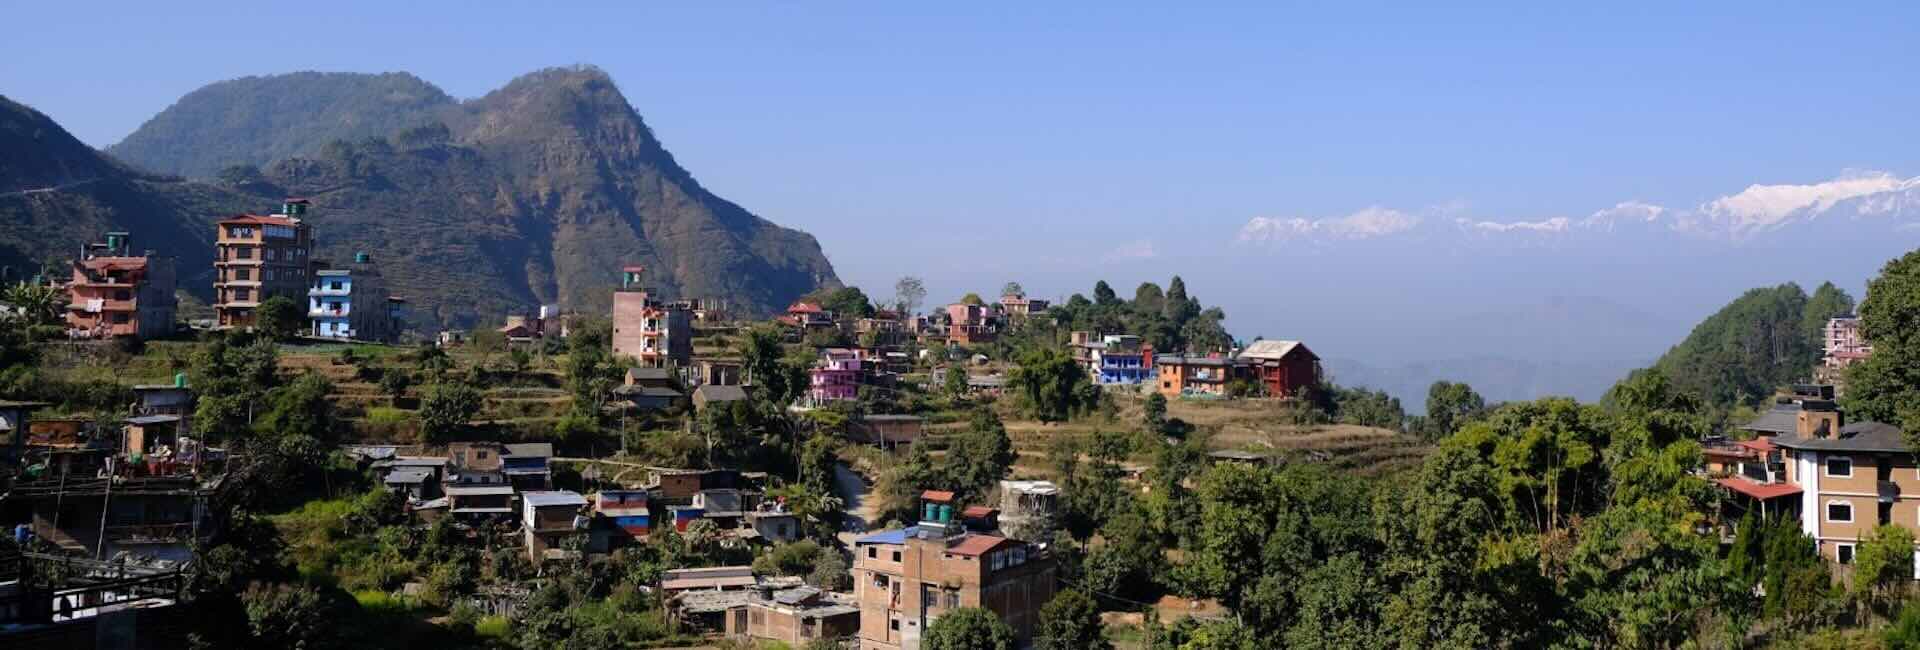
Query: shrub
point(493, 627)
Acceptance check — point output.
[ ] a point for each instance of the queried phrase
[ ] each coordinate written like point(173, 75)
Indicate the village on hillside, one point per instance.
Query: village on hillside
point(851, 473)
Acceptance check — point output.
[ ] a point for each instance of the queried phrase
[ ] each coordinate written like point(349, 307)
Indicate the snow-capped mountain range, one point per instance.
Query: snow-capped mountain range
point(1871, 198)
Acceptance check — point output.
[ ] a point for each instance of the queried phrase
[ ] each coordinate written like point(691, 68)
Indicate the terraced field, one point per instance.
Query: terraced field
point(1248, 425)
point(375, 417)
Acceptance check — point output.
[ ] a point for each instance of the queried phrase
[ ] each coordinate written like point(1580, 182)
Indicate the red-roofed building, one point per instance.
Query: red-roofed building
point(113, 293)
point(258, 257)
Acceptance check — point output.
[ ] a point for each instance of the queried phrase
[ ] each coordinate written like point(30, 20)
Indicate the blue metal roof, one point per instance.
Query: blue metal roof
point(889, 536)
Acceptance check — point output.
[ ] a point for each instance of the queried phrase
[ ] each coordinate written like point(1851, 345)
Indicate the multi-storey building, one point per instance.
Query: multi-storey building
point(968, 324)
point(351, 303)
point(1193, 374)
point(836, 377)
point(258, 257)
point(114, 293)
point(1839, 480)
point(1114, 358)
point(1019, 306)
point(653, 332)
point(905, 579)
point(1845, 346)
point(1279, 368)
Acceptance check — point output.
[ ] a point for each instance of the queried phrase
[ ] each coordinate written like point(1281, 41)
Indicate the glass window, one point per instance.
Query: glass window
point(242, 274)
point(1844, 553)
point(1839, 511)
point(1840, 466)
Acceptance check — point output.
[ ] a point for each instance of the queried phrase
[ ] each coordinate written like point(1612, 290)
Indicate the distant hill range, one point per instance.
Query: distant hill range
point(536, 193)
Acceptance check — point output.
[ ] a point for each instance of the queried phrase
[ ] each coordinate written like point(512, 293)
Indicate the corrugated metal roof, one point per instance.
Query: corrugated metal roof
point(976, 545)
point(1859, 436)
point(889, 536)
point(1273, 349)
point(530, 449)
point(554, 498)
point(478, 490)
point(716, 393)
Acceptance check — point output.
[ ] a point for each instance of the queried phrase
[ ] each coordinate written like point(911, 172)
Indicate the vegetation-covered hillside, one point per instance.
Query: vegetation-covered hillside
point(257, 120)
point(56, 194)
point(1765, 339)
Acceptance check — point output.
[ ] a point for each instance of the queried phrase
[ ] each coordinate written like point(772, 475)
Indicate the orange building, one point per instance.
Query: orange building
point(113, 293)
point(258, 257)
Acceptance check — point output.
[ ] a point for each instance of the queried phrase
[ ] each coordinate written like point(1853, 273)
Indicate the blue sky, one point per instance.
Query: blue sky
point(1059, 144)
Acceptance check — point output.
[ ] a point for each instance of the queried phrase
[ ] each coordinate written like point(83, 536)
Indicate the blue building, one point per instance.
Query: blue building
point(351, 304)
point(1114, 358)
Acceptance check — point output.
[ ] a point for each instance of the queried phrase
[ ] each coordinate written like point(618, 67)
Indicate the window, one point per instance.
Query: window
point(896, 556)
point(1843, 553)
point(873, 553)
point(880, 580)
point(243, 295)
point(242, 274)
point(243, 252)
point(120, 318)
point(1839, 512)
point(1840, 466)
point(894, 625)
point(123, 294)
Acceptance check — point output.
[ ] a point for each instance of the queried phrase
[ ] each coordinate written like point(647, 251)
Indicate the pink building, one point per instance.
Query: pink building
point(836, 377)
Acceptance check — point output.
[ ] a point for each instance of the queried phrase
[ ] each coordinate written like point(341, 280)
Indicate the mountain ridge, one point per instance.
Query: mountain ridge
point(536, 193)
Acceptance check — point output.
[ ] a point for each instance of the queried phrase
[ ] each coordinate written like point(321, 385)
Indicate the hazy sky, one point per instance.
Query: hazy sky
point(1056, 145)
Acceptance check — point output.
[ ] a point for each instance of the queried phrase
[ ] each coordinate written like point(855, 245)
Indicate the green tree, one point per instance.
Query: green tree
point(395, 382)
point(972, 299)
point(1883, 570)
point(1071, 621)
point(447, 408)
point(830, 571)
point(280, 318)
point(846, 303)
point(1904, 634)
point(1155, 413)
point(1449, 405)
point(301, 408)
point(40, 304)
point(1103, 294)
point(977, 459)
point(955, 383)
point(231, 375)
point(1886, 387)
point(774, 379)
point(1051, 386)
point(968, 628)
point(1012, 289)
point(296, 617)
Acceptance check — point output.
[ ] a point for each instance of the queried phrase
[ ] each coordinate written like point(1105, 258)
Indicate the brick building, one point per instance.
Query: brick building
point(905, 579)
point(258, 257)
point(114, 293)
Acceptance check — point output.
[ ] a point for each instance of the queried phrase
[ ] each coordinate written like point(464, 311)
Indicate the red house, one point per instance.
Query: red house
point(1281, 367)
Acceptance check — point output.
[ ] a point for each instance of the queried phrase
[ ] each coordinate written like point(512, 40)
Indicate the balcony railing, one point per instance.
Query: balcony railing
point(329, 313)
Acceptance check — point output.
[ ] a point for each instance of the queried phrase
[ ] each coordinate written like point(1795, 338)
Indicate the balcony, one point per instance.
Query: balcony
point(320, 291)
point(329, 313)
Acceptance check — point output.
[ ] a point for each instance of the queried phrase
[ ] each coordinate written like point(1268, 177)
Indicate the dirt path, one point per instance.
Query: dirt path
point(859, 509)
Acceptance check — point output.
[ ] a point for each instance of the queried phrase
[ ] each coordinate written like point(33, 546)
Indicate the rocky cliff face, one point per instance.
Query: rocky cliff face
point(536, 193)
